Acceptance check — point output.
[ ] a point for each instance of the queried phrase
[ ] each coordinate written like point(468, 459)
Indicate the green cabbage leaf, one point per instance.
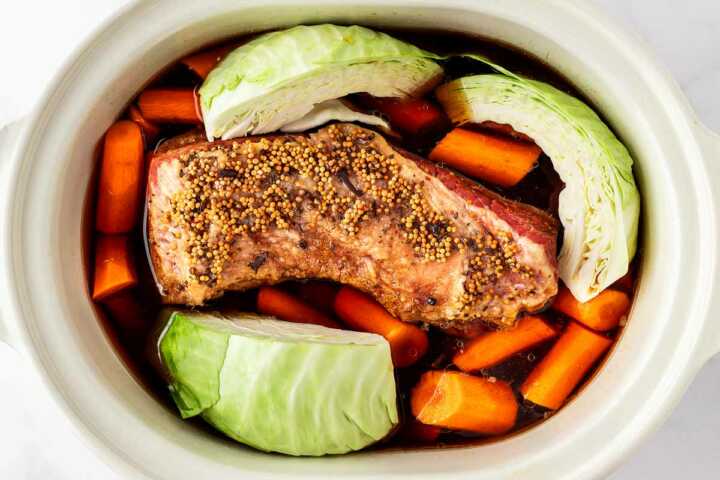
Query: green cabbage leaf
point(298, 389)
point(333, 110)
point(600, 204)
point(278, 77)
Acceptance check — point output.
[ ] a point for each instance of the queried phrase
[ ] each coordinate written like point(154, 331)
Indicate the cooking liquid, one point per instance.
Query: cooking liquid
point(130, 318)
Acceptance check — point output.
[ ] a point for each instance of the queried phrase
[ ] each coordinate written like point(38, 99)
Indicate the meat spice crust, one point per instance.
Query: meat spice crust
point(245, 188)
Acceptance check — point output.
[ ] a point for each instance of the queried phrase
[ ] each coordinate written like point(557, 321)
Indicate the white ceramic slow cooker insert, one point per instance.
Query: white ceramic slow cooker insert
point(673, 329)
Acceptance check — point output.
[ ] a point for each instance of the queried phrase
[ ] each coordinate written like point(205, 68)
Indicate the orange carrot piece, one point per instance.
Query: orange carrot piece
point(408, 343)
point(414, 116)
point(602, 313)
point(557, 375)
point(494, 347)
point(120, 183)
point(203, 62)
point(150, 130)
point(169, 105)
point(319, 294)
point(505, 130)
point(459, 401)
point(415, 431)
point(501, 161)
point(114, 270)
point(275, 302)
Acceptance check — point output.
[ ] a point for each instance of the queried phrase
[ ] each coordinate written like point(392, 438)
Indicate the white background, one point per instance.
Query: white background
point(36, 443)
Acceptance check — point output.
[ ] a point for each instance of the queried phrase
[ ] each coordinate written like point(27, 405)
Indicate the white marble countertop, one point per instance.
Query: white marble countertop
point(36, 443)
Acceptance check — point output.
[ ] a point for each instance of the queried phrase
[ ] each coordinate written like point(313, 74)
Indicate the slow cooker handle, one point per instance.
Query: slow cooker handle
point(710, 142)
point(8, 136)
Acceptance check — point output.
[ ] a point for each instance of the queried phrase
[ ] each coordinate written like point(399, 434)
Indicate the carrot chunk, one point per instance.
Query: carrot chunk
point(114, 270)
point(414, 116)
point(203, 62)
point(601, 313)
point(275, 302)
point(169, 105)
point(408, 343)
point(319, 294)
point(506, 130)
point(557, 375)
point(150, 130)
point(497, 160)
point(120, 183)
point(459, 401)
point(494, 347)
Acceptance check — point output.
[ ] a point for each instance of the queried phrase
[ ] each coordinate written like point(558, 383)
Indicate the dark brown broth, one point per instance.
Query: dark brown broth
point(133, 336)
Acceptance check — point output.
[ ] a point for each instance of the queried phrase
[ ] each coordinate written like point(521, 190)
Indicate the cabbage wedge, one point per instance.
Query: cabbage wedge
point(600, 204)
point(298, 389)
point(330, 110)
point(280, 76)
